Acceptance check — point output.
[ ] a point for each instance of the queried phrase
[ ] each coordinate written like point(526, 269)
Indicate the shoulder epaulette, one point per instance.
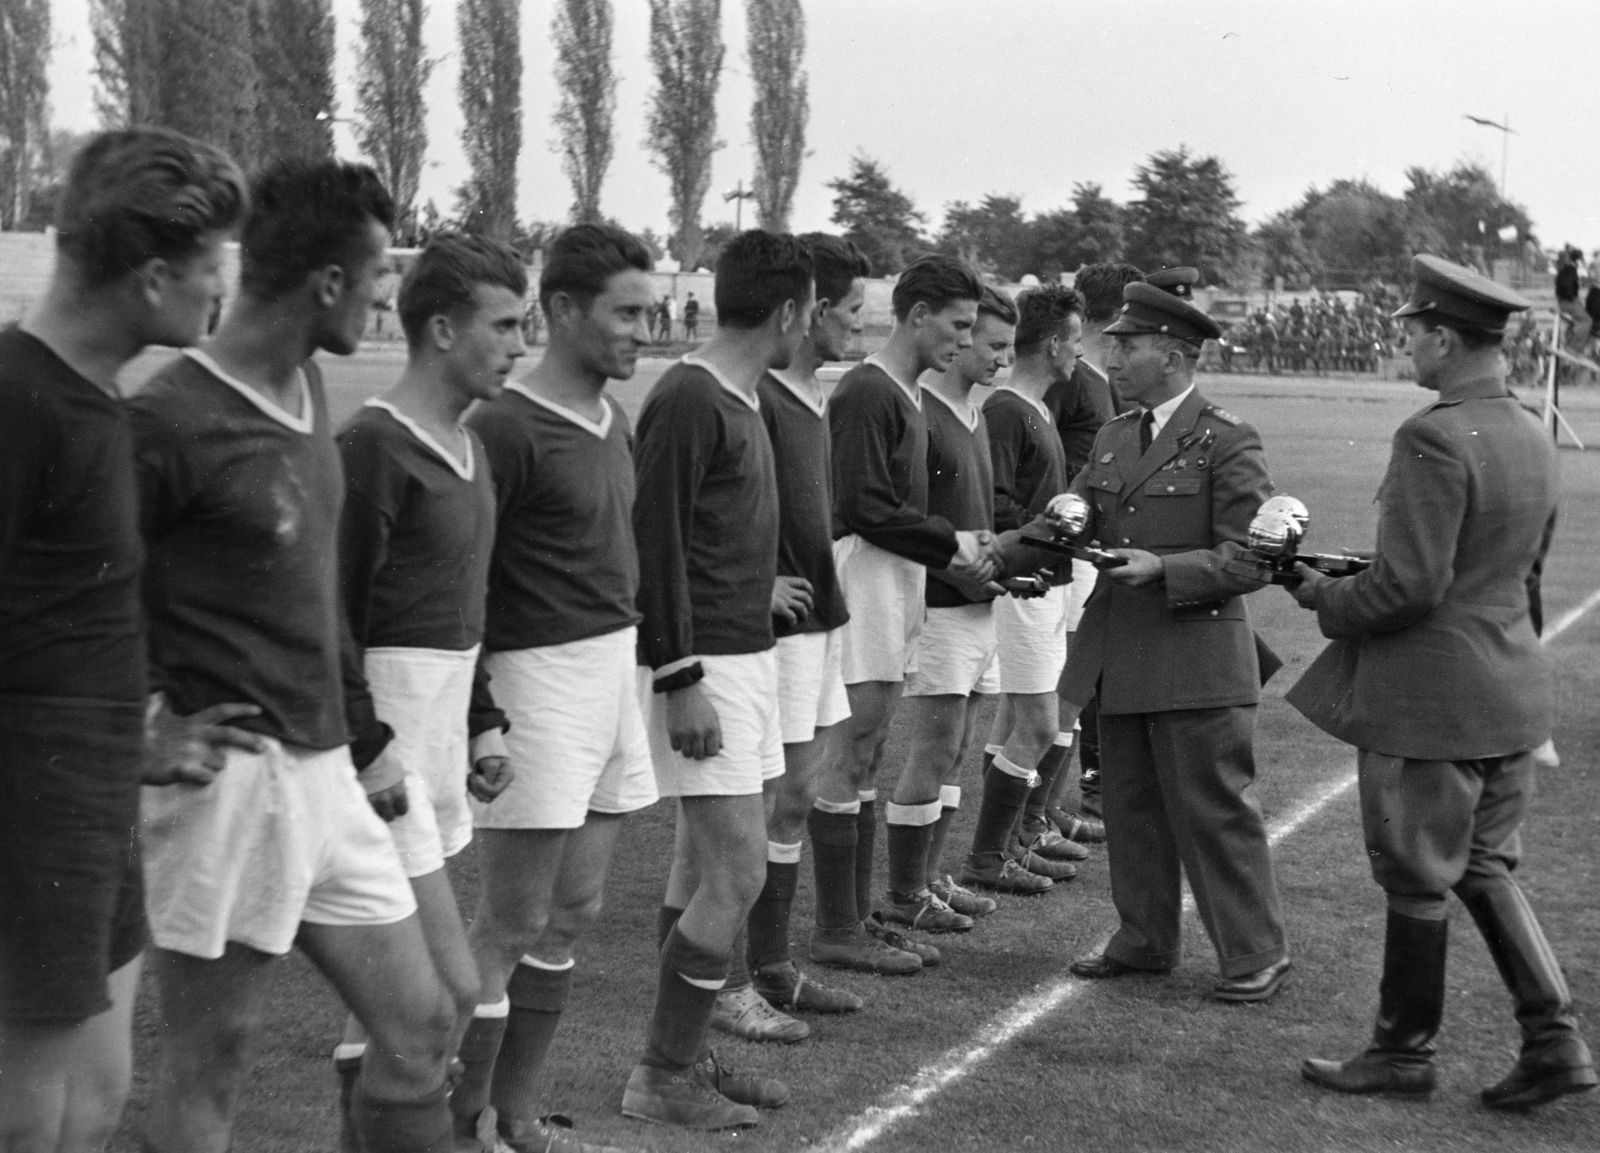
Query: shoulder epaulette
point(1124, 415)
point(1221, 414)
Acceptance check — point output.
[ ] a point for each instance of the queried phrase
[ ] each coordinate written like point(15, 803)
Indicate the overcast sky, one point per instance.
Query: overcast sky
point(1030, 96)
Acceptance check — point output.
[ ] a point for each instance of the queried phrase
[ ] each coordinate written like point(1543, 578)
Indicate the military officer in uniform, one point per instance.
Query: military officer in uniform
point(1166, 639)
point(1436, 676)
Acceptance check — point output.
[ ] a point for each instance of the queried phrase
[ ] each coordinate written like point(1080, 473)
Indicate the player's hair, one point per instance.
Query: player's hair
point(836, 264)
point(582, 259)
point(444, 275)
point(306, 215)
point(1471, 338)
point(1044, 311)
point(756, 273)
point(997, 304)
point(1101, 287)
point(937, 281)
point(139, 194)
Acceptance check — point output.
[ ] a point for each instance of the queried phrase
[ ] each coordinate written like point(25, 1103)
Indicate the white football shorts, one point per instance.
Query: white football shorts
point(884, 594)
point(811, 692)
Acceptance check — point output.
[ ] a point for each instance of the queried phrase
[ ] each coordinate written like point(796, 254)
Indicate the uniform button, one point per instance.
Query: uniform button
point(1213, 612)
point(1172, 488)
point(1125, 540)
point(1131, 510)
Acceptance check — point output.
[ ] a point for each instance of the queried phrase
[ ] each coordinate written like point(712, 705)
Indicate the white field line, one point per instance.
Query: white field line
point(907, 1100)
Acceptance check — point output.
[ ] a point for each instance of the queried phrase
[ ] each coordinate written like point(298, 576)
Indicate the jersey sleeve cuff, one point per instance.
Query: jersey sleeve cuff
point(489, 743)
point(679, 674)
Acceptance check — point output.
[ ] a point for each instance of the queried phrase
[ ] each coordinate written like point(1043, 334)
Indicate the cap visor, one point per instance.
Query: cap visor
point(1412, 308)
point(1126, 327)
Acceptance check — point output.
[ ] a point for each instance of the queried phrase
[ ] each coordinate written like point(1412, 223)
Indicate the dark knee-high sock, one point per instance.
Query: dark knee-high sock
point(866, 838)
point(403, 1126)
point(538, 995)
point(909, 831)
point(833, 861)
point(1063, 781)
point(1005, 792)
point(688, 981)
point(738, 960)
point(1050, 766)
point(666, 917)
point(347, 1064)
point(480, 1049)
point(769, 918)
point(949, 802)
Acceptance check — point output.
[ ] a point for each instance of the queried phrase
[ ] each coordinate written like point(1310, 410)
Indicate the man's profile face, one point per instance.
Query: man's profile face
point(488, 341)
point(990, 351)
point(944, 333)
point(346, 322)
point(1426, 350)
point(613, 329)
point(789, 339)
point(191, 294)
point(1137, 366)
point(836, 322)
point(1067, 347)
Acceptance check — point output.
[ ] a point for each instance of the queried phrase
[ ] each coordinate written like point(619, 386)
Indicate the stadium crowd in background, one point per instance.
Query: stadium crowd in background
point(260, 678)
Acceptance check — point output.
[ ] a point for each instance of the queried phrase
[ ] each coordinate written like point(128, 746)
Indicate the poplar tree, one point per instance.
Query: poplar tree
point(392, 71)
point(581, 30)
point(686, 55)
point(491, 104)
point(293, 46)
point(777, 46)
point(24, 54)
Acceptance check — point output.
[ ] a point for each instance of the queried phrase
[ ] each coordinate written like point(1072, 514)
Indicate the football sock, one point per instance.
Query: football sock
point(833, 861)
point(910, 831)
point(686, 991)
point(949, 802)
point(1050, 766)
point(1005, 792)
point(738, 960)
point(989, 754)
point(347, 1064)
point(538, 993)
point(769, 919)
point(480, 1046)
point(666, 917)
point(403, 1126)
point(866, 835)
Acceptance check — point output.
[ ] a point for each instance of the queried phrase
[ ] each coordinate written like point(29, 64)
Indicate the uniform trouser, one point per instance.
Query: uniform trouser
point(1433, 826)
point(1177, 803)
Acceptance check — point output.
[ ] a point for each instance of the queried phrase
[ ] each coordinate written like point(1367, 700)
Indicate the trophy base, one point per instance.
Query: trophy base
point(1098, 557)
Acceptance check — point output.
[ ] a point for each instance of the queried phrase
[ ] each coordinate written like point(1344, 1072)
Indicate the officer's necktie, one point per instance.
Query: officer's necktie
point(1147, 428)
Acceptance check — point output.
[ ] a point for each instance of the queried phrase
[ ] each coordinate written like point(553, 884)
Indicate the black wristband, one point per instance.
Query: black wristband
point(682, 679)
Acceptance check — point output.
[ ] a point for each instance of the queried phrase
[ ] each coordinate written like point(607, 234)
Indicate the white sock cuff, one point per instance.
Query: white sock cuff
point(867, 796)
point(1077, 726)
point(950, 796)
point(994, 750)
point(923, 814)
point(783, 854)
point(1014, 770)
point(823, 806)
point(500, 1008)
point(349, 1050)
point(715, 983)
point(1063, 740)
point(533, 962)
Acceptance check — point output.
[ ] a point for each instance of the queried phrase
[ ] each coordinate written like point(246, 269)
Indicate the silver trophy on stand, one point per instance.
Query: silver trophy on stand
point(1067, 516)
point(1275, 535)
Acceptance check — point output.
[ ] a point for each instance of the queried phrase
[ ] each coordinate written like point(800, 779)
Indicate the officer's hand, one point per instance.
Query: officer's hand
point(692, 723)
point(490, 776)
point(1305, 591)
point(191, 750)
point(791, 599)
point(1143, 568)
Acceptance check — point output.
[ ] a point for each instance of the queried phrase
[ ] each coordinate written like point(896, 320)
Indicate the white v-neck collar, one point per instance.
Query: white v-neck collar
point(1038, 405)
point(815, 404)
point(913, 391)
point(464, 470)
point(304, 423)
point(968, 418)
point(600, 428)
point(752, 399)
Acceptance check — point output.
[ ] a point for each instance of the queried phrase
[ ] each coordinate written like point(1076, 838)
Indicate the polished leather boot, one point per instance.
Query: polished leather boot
point(1410, 1006)
point(1554, 1059)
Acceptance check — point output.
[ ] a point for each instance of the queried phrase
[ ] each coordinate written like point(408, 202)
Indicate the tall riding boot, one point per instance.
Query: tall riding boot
point(1554, 1059)
point(1410, 1005)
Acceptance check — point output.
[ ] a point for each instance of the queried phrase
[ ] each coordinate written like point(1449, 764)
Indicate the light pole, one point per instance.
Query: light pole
point(739, 195)
point(1506, 133)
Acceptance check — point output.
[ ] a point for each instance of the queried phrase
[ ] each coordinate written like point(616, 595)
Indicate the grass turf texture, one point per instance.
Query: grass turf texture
point(1135, 1064)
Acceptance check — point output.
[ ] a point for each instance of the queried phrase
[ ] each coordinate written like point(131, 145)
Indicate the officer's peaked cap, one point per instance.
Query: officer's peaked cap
point(1179, 282)
point(1454, 293)
point(1147, 308)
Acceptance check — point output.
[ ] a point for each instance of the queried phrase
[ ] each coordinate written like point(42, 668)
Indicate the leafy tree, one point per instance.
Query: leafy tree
point(128, 51)
point(1285, 253)
point(993, 236)
point(582, 34)
point(392, 71)
point(715, 239)
point(1187, 214)
point(1101, 221)
point(686, 54)
point(24, 89)
point(777, 45)
point(1458, 214)
point(491, 105)
point(293, 44)
point(880, 218)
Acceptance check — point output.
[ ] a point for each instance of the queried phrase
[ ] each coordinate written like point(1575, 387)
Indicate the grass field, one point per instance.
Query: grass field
point(1137, 1064)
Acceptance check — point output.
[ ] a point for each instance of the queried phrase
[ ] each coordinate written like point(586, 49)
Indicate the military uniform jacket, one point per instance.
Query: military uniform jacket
point(1186, 642)
point(1434, 656)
